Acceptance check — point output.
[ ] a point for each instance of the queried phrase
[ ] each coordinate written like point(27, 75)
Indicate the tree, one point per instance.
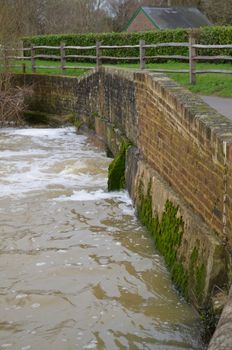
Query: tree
point(121, 11)
point(8, 24)
point(12, 99)
point(27, 17)
point(219, 12)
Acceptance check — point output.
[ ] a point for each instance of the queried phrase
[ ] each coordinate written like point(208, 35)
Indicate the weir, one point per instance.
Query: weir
point(179, 170)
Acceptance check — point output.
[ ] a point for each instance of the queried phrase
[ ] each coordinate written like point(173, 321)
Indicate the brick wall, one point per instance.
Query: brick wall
point(187, 142)
point(140, 23)
point(183, 139)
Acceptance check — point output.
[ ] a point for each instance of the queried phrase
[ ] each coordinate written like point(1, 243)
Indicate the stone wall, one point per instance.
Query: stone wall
point(221, 339)
point(61, 95)
point(183, 152)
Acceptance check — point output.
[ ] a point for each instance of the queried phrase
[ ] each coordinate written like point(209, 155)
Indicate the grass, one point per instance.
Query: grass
point(207, 84)
point(56, 71)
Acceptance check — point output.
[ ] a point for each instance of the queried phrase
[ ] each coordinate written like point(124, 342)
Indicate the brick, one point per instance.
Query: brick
point(178, 135)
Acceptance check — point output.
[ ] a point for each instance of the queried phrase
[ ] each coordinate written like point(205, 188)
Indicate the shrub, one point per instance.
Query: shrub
point(206, 35)
point(12, 101)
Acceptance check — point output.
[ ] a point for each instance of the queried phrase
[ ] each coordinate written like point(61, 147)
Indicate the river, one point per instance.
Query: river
point(77, 270)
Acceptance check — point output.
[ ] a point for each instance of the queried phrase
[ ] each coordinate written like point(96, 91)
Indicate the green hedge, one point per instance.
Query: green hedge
point(218, 35)
point(206, 35)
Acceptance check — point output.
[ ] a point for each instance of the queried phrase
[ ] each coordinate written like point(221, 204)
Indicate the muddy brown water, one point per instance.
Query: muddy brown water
point(77, 270)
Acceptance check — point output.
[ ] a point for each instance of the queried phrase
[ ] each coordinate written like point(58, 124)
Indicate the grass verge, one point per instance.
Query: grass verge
point(207, 84)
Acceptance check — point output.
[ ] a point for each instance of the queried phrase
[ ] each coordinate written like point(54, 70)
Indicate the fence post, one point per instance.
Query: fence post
point(192, 62)
point(24, 68)
point(98, 54)
point(142, 54)
point(62, 56)
point(33, 66)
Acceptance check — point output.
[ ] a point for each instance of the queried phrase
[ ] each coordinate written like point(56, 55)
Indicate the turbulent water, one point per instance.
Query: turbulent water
point(77, 270)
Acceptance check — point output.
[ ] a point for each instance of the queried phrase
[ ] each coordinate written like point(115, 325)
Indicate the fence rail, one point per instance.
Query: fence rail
point(99, 58)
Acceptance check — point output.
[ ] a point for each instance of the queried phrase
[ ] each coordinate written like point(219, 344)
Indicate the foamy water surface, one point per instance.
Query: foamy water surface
point(77, 270)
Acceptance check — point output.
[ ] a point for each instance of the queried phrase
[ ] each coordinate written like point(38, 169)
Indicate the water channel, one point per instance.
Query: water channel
point(77, 270)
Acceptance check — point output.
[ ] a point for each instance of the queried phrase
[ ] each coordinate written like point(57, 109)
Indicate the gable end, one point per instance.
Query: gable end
point(141, 21)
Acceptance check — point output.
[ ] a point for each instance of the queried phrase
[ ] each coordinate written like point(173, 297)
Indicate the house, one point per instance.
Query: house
point(156, 18)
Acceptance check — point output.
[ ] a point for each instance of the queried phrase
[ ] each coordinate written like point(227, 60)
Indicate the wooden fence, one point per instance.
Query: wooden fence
point(98, 58)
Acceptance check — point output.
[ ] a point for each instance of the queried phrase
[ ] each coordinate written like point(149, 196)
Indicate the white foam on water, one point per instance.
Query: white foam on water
point(91, 345)
point(40, 263)
point(127, 208)
point(8, 154)
point(77, 166)
point(21, 296)
point(27, 347)
point(5, 346)
point(50, 157)
point(84, 195)
point(44, 132)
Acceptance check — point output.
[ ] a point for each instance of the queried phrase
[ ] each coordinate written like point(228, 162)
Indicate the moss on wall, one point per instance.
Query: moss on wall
point(116, 171)
point(46, 119)
point(34, 117)
point(167, 234)
point(197, 273)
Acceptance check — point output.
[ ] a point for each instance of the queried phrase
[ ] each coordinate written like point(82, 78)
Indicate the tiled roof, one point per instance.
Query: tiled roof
point(176, 17)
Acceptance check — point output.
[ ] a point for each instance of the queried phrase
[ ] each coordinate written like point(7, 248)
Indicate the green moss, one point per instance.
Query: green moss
point(167, 234)
point(180, 278)
point(197, 276)
point(168, 242)
point(193, 257)
point(69, 118)
point(36, 117)
point(116, 171)
point(77, 123)
point(39, 118)
point(200, 274)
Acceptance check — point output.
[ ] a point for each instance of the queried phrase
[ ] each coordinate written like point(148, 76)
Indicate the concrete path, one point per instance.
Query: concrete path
point(221, 104)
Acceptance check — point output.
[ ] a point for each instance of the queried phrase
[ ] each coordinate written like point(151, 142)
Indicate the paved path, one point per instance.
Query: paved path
point(221, 104)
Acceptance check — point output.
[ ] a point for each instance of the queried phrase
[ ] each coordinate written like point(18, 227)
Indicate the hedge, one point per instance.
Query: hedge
point(206, 35)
